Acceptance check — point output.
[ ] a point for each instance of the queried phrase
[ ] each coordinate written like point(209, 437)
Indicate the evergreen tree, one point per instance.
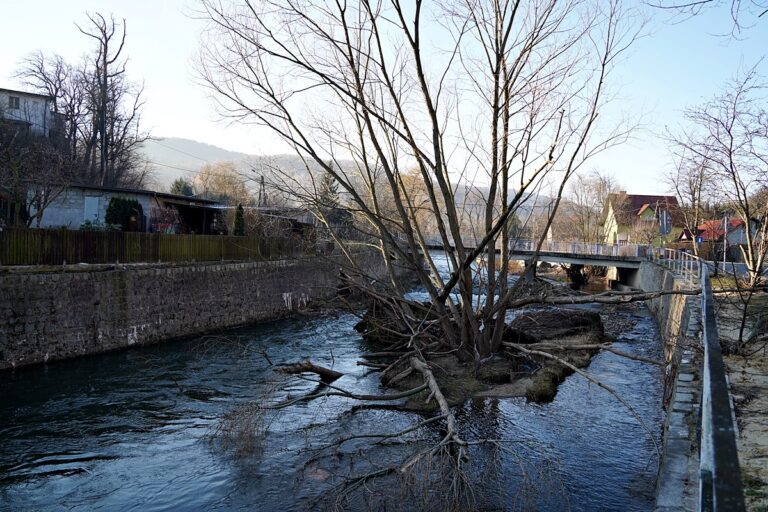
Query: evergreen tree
point(328, 192)
point(329, 201)
point(239, 228)
point(182, 187)
point(120, 211)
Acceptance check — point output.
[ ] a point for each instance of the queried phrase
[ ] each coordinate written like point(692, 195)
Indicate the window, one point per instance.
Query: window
point(13, 102)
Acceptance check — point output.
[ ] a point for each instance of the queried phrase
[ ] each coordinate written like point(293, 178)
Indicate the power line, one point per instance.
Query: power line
point(191, 171)
point(182, 151)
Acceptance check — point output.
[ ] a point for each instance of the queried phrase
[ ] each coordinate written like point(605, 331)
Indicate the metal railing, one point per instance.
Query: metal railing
point(720, 487)
point(584, 249)
point(686, 265)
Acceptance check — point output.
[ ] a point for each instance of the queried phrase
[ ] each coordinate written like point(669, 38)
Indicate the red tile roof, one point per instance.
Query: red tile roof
point(628, 207)
point(712, 230)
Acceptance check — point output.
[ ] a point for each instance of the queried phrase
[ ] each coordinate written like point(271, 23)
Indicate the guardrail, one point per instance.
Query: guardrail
point(585, 249)
point(720, 487)
point(686, 265)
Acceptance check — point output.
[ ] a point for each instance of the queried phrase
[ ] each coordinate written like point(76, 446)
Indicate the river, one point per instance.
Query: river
point(131, 430)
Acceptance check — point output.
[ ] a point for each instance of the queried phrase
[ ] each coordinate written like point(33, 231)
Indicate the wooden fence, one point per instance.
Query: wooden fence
point(61, 246)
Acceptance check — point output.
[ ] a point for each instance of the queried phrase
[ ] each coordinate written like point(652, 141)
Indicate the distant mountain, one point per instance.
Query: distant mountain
point(172, 158)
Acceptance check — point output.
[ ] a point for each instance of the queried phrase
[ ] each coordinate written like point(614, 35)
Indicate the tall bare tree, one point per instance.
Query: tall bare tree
point(97, 109)
point(588, 196)
point(729, 136)
point(505, 93)
point(692, 183)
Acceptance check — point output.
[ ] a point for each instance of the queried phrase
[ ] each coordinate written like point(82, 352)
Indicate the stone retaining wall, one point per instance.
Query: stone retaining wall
point(47, 316)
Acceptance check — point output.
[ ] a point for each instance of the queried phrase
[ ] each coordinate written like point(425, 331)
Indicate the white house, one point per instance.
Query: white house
point(28, 109)
point(80, 203)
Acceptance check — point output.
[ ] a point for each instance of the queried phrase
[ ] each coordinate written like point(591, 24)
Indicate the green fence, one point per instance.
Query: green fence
point(60, 246)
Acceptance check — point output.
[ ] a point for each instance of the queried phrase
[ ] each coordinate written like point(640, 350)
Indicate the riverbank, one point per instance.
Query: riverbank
point(748, 376)
point(49, 314)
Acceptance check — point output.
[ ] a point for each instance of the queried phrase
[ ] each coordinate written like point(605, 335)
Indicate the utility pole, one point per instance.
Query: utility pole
point(262, 192)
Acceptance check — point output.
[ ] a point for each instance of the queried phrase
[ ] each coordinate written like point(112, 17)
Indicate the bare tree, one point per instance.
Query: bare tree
point(513, 101)
point(743, 13)
point(587, 196)
point(224, 183)
point(692, 183)
point(34, 171)
point(96, 109)
point(729, 136)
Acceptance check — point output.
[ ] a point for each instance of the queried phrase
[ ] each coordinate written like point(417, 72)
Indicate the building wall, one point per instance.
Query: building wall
point(610, 228)
point(32, 109)
point(68, 209)
point(48, 316)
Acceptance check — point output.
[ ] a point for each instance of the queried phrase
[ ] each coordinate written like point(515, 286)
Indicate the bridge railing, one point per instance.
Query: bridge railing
point(584, 249)
point(720, 487)
point(686, 265)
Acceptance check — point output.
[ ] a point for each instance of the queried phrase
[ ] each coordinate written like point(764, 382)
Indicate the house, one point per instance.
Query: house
point(162, 212)
point(33, 112)
point(710, 234)
point(640, 219)
point(294, 213)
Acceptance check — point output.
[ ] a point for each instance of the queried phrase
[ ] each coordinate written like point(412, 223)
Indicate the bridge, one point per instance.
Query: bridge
point(620, 256)
point(623, 256)
point(626, 259)
point(703, 382)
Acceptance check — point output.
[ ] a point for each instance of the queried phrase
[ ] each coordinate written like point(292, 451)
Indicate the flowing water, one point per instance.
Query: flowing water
point(131, 430)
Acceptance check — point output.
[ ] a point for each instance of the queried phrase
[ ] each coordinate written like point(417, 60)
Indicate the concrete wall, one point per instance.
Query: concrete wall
point(679, 320)
point(678, 316)
point(48, 316)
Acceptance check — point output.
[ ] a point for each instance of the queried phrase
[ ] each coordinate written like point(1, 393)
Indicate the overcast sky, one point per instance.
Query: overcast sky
point(677, 65)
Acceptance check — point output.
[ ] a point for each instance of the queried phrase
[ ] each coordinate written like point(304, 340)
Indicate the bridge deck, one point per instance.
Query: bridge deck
point(626, 256)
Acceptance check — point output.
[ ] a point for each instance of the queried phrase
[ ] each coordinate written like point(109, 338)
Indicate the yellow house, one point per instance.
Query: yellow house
point(641, 219)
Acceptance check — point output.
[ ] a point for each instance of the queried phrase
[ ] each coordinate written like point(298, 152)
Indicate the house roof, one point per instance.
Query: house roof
point(25, 93)
point(164, 195)
point(712, 230)
point(628, 207)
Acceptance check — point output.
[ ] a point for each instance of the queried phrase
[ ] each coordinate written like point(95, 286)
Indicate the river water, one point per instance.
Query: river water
point(131, 430)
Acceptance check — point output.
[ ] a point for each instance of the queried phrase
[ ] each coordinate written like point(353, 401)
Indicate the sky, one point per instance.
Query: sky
point(676, 65)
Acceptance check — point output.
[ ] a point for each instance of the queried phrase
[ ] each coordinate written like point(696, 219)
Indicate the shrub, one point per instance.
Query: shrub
point(120, 211)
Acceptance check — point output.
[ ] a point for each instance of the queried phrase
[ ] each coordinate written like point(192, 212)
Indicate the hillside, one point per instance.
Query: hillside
point(171, 158)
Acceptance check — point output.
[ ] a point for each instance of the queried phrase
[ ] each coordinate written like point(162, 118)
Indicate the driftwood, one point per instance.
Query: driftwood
point(307, 366)
point(610, 297)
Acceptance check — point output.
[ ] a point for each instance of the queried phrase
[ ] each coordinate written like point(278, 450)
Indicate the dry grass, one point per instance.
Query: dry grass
point(243, 430)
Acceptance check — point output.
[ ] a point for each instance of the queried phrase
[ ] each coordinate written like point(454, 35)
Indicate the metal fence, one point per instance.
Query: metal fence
point(583, 249)
point(720, 487)
point(60, 246)
point(686, 265)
